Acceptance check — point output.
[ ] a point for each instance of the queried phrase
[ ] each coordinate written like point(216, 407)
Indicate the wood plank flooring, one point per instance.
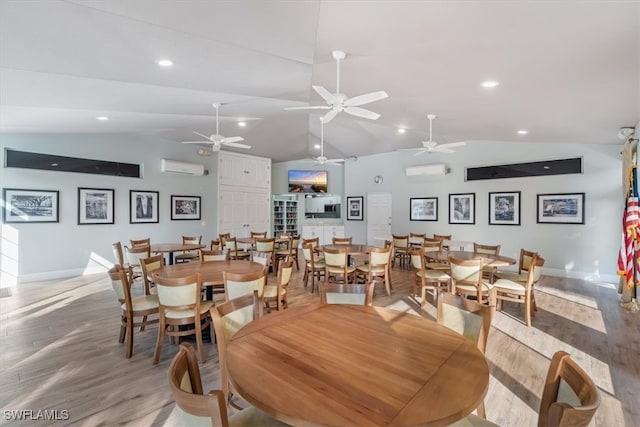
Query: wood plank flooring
point(59, 350)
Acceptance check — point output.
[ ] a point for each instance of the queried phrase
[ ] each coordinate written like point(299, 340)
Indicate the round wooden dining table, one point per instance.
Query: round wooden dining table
point(170, 248)
point(210, 271)
point(488, 259)
point(354, 365)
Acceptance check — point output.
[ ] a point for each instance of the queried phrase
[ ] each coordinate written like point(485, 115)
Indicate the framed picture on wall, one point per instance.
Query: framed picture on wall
point(30, 205)
point(95, 206)
point(560, 208)
point(423, 209)
point(462, 208)
point(185, 207)
point(504, 208)
point(143, 206)
point(355, 208)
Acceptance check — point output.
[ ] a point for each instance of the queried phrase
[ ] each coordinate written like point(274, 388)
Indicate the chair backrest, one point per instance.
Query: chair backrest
point(525, 260)
point(266, 244)
point(400, 242)
point(466, 271)
point(486, 249)
point(178, 292)
point(294, 242)
point(431, 246)
point(223, 238)
point(214, 255)
point(570, 397)
point(263, 258)
point(442, 237)
point(118, 256)
point(342, 240)
point(416, 238)
point(215, 245)
point(467, 317)
point(231, 245)
point(379, 257)
point(228, 318)
point(149, 265)
point(194, 407)
point(314, 242)
point(134, 255)
point(258, 234)
point(191, 240)
point(121, 286)
point(535, 268)
point(339, 293)
point(239, 284)
point(336, 261)
point(285, 270)
point(140, 243)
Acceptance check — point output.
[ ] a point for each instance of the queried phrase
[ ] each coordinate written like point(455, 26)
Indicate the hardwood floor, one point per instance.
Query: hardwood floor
point(59, 351)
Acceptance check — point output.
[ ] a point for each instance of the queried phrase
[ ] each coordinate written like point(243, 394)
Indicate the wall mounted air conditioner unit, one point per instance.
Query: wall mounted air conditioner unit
point(184, 168)
point(437, 169)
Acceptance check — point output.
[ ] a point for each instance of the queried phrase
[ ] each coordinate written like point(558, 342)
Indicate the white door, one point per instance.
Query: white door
point(378, 218)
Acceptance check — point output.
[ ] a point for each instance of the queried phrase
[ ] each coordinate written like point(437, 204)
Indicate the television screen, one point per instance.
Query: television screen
point(307, 181)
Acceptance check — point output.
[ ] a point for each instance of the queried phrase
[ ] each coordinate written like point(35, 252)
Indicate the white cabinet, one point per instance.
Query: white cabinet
point(243, 211)
point(244, 171)
point(326, 233)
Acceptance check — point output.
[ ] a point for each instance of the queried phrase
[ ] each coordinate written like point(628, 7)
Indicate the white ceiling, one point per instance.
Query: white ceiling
point(569, 71)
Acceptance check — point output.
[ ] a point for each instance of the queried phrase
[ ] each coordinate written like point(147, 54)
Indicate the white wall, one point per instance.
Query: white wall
point(588, 250)
point(37, 251)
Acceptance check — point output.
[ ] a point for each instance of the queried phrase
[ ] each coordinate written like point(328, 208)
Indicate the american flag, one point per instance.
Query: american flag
point(630, 248)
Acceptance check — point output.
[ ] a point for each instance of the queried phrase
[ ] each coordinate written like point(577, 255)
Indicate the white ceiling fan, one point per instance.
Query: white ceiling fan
point(217, 140)
point(432, 146)
point(338, 102)
point(322, 159)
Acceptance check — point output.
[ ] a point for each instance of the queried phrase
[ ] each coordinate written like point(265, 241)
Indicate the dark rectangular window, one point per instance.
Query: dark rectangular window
point(26, 160)
point(519, 170)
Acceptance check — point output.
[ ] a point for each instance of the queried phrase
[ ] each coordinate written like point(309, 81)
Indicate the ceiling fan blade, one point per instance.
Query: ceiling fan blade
point(236, 145)
point(329, 116)
point(309, 107)
point(335, 160)
point(452, 144)
point(410, 149)
point(325, 94)
point(204, 136)
point(361, 112)
point(421, 151)
point(365, 99)
point(232, 139)
point(196, 142)
point(442, 150)
point(429, 144)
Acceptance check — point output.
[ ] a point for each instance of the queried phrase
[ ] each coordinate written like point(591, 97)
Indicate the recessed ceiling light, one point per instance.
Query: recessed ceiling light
point(317, 146)
point(523, 132)
point(489, 84)
point(102, 118)
point(401, 130)
point(242, 124)
point(54, 164)
point(165, 62)
point(546, 167)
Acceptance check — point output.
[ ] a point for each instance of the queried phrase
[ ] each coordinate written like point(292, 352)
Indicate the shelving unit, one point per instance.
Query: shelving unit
point(285, 215)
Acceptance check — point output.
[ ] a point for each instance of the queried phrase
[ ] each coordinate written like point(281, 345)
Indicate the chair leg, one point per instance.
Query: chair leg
point(161, 327)
point(144, 323)
point(387, 283)
point(123, 329)
point(527, 308)
point(198, 325)
point(129, 337)
point(481, 411)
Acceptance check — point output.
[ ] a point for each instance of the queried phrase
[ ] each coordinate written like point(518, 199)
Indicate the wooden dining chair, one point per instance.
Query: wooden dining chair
point(228, 318)
point(487, 272)
point(215, 245)
point(118, 255)
point(416, 239)
point(268, 245)
point(466, 278)
point(349, 293)
point(231, 245)
point(336, 265)
point(437, 280)
point(289, 250)
point(214, 255)
point(134, 255)
point(194, 407)
point(239, 284)
point(524, 261)
point(342, 240)
point(277, 294)
point(377, 268)
point(314, 266)
point(442, 238)
point(429, 247)
point(132, 308)
point(140, 243)
point(400, 250)
point(181, 305)
point(191, 255)
point(258, 234)
point(569, 397)
point(315, 244)
point(149, 265)
point(521, 292)
point(263, 258)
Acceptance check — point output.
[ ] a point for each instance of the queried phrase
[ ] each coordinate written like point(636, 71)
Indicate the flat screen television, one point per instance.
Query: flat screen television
point(307, 181)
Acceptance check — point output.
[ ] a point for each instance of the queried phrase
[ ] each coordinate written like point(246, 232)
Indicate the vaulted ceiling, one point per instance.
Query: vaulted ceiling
point(568, 71)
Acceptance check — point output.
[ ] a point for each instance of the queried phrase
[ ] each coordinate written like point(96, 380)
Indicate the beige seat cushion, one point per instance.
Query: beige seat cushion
point(145, 302)
point(181, 314)
point(437, 266)
point(270, 291)
point(334, 270)
point(486, 286)
point(509, 285)
point(365, 268)
point(434, 275)
point(510, 275)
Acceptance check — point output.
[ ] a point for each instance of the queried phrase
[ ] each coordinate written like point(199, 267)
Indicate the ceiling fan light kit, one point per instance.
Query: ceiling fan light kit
point(322, 159)
point(338, 102)
point(216, 140)
point(432, 146)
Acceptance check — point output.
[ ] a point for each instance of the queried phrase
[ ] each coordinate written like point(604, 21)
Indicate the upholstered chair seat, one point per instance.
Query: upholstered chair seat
point(188, 312)
point(143, 303)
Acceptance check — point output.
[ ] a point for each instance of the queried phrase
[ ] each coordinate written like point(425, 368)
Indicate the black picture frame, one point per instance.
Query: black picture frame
point(355, 208)
point(185, 208)
point(143, 207)
point(462, 208)
point(504, 208)
point(560, 208)
point(96, 206)
point(30, 206)
point(423, 209)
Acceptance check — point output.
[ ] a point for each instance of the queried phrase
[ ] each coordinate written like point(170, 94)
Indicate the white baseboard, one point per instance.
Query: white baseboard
point(591, 277)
